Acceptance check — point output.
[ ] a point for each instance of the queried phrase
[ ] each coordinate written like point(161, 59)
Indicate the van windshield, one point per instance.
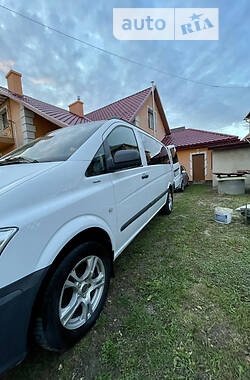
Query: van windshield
point(58, 145)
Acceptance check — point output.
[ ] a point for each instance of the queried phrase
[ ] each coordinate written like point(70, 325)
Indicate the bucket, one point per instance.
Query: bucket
point(223, 215)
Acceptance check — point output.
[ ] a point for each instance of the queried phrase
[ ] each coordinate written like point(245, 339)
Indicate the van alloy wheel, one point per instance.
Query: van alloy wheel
point(73, 297)
point(81, 292)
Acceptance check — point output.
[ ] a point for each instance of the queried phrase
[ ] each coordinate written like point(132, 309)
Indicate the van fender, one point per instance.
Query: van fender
point(66, 233)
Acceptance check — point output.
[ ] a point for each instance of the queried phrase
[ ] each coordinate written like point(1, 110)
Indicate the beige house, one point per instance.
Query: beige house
point(195, 149)
point(22, 118)
point(138, 109)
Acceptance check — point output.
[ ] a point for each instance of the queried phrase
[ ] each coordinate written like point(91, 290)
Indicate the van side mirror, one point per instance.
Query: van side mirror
point(126, 159)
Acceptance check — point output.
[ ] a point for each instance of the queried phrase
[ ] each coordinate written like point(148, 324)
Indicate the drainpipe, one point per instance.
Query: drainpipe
point(153, 104)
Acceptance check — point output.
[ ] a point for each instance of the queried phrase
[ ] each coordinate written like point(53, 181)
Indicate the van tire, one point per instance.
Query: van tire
point(168, 207)
point(51, 331)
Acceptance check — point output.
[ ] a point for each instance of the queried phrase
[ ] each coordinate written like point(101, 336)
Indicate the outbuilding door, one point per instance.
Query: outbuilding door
point(198, 167)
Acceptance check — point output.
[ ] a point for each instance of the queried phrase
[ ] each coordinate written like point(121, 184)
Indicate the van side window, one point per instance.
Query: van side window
point(155, 152)
point(122, 138)
point(98, 164)
point(174, 155)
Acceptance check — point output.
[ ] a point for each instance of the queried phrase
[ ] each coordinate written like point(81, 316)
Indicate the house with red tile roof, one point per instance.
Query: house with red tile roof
point(23, 118)
point(138, 109)
point(195, 150)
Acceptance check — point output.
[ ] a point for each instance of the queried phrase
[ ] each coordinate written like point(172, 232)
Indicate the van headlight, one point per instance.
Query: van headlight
point(6, 234)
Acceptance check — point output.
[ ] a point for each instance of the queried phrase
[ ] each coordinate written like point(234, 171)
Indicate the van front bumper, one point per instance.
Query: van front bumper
point(16, 303)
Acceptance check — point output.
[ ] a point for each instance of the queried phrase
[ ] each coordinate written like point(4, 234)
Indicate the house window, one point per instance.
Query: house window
point(136, 123)
point(3, 119)
point(150, 119)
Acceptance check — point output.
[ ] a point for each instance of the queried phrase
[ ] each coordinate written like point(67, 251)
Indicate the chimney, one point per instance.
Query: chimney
point(14, 82)
point(77, 107)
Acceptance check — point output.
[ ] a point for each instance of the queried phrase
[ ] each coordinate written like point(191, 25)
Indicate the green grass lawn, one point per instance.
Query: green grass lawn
point(178, 307)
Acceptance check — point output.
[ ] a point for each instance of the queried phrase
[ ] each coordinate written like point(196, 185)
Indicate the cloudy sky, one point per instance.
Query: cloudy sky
point(57, 69)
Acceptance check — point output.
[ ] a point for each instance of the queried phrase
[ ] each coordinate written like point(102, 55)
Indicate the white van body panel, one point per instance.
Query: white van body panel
point(67, 232)
point(12, 176)
point(45, 206)
point(50, 203)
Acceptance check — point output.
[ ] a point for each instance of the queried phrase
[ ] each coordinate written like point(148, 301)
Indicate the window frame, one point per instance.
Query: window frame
point(105, 170)
point(176, 155)
point(107, 150)
point(142, 133)
point(3, 110)
point(154, 119)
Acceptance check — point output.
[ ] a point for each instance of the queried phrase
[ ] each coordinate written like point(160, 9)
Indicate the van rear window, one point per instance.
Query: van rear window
point(174, 155)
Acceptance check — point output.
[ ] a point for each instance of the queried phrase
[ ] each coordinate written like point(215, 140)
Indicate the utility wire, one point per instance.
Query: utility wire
point(117, 55)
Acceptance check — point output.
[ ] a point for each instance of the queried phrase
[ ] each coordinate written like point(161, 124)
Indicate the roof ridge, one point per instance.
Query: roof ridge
point(26, 99)
point(30, 97)
point(215, 133)
point(117, 101)
point(40, 101)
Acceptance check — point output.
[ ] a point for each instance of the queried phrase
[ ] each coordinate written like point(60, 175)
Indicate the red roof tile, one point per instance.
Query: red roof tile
point(234, 144)
point(184, 138)
point(125, 108)
point(54, 114)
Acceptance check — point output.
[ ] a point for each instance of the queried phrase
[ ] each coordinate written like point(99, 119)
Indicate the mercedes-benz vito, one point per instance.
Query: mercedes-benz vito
point(70, 203)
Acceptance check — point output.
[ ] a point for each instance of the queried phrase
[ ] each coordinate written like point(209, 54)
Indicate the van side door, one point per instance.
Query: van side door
point(160, 172)
point(128, 184)
point(98, 193)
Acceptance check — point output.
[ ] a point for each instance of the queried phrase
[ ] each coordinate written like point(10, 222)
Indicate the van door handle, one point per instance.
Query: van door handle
point(97, 181)
point(144, 176)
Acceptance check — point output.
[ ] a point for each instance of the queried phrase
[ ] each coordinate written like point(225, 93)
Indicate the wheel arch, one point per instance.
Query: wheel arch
point(96, 234)
point(89, 234)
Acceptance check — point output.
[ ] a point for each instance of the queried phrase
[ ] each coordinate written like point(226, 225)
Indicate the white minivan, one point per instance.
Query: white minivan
point(70, 203)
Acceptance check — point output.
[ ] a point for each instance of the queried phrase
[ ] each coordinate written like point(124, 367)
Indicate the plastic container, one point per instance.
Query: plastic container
point(223, 215)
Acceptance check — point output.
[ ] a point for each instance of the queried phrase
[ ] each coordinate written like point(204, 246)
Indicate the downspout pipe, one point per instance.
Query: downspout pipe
point(153, 105)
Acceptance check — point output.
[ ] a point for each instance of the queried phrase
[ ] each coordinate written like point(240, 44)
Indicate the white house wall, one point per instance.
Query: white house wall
point(231, 160)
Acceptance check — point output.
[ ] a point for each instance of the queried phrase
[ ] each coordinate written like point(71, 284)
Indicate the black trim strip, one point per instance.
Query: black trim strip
point(136, 216)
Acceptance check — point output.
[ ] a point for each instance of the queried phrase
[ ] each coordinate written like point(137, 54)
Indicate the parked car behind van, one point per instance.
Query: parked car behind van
point(180, 174)
point(176, 168)
point(184, 178)
point(71, 202)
